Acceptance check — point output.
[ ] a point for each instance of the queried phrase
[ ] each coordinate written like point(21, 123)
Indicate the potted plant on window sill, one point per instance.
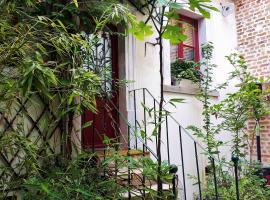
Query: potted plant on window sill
point(185, 73)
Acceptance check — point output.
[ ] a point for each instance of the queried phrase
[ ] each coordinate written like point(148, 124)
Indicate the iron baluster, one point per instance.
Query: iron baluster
point(198, 170)
point(155, 121)
point(144, 119)
point(168, 142)
point(145, 136)
point(135, 116)
point(182, 162)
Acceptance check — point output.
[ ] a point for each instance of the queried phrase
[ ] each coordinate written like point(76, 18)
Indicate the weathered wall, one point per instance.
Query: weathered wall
point(253, 35)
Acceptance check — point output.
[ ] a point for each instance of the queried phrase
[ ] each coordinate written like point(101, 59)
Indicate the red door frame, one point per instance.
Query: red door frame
point(89, 138)
point(194, 23)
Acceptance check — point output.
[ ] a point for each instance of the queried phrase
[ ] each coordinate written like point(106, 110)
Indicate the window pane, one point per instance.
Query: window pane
point(189, 32)
point(99, 60)
point(189, 53)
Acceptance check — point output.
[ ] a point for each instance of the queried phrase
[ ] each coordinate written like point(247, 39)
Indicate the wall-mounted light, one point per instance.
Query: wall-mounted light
point(227, 9)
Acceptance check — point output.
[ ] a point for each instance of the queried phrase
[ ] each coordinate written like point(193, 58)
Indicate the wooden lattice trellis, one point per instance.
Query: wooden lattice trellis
point(35, 120)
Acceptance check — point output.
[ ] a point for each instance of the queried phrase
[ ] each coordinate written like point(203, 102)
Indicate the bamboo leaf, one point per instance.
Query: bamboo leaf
point(76, 3)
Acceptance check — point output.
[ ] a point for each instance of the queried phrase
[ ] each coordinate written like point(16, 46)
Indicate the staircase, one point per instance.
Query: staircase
point(139, 186)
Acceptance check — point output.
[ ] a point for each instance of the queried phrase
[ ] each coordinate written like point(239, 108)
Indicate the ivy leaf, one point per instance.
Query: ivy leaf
point(140, 30)
point(174, 34)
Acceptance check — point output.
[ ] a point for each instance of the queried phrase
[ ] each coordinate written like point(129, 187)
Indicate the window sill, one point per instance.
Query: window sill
point(190, 90)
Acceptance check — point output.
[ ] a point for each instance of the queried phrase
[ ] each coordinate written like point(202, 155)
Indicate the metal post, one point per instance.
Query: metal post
point(173, 170)
point(215, 178)
point(145, 136)
point(144, 118)
point(155, 121)
point(135, 118)
point(168, 142)
point(258, 141)
point(182, 162)
point(198, 170)
point(235, 162)
point(129, 175)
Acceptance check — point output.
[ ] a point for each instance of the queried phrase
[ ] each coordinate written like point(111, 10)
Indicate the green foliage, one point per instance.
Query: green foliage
point(78, 179)
point(251, 185)
point(210, 131)
point(183, 69)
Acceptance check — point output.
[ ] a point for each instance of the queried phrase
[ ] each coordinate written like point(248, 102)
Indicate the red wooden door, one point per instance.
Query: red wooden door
point(105, 122)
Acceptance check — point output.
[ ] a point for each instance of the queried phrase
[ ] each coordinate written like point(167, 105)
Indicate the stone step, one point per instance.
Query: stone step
point(135, 154)
point(124, 152)
point(137, 183)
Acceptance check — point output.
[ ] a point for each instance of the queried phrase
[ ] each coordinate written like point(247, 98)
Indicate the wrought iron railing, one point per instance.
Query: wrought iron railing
point(143, 100)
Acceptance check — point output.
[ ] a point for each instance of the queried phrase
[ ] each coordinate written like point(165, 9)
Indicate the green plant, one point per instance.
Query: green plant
point(251, 88)
point(248, 102)
point(183, 69)
point(209, 131)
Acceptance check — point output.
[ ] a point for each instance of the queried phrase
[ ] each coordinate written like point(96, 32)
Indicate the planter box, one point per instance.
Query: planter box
point(185, 83)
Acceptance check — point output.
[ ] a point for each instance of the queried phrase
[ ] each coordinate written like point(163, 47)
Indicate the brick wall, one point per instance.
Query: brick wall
point(253, 32)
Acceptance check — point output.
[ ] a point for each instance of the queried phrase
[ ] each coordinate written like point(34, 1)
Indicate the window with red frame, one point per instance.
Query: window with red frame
point(189, 49)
